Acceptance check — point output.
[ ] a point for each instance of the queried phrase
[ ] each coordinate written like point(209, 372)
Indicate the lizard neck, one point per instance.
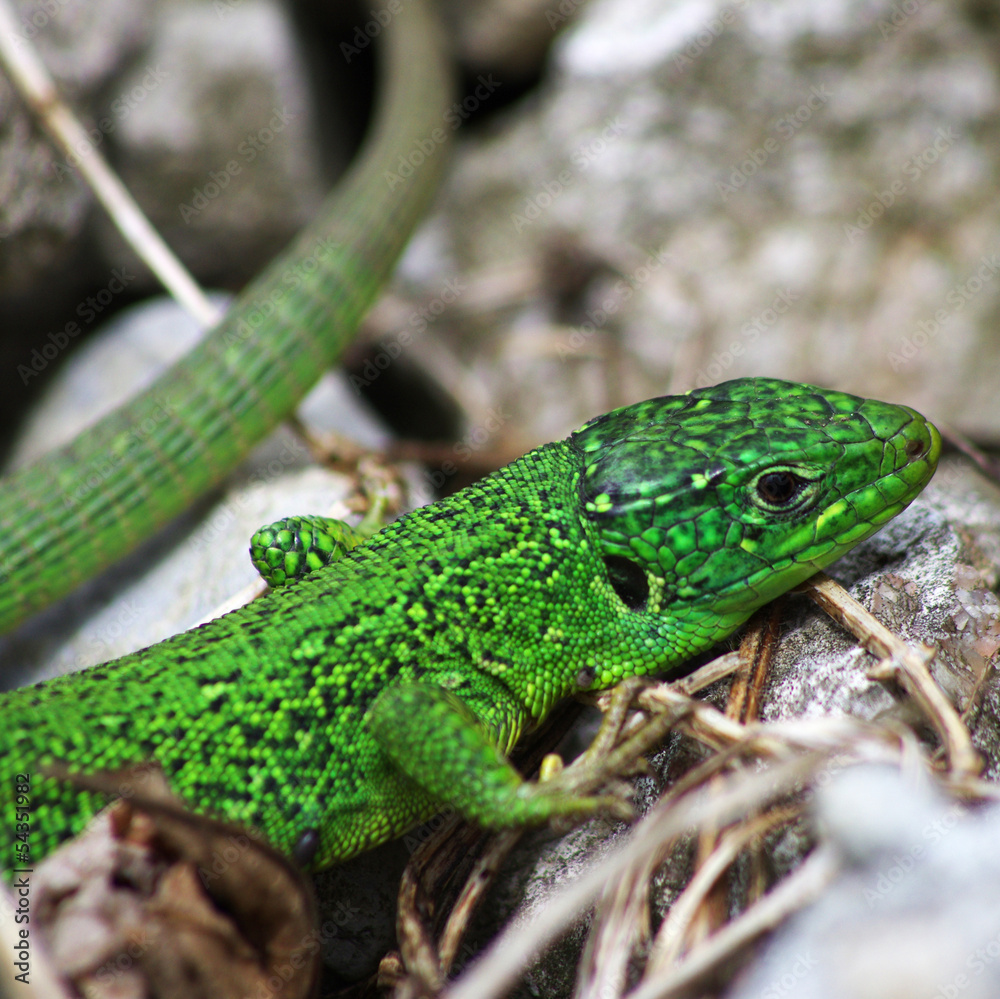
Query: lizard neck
point(508, 574)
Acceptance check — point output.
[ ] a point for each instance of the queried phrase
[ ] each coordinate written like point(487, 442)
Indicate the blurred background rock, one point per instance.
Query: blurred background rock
point(647, 195)
point(698, 191)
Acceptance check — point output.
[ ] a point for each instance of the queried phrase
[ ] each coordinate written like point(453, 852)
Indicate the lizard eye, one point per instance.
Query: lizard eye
point(778, 488)
point(781, 489)
point(628, 581)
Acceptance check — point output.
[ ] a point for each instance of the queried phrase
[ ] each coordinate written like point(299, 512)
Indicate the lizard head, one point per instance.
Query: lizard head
point(709, 504)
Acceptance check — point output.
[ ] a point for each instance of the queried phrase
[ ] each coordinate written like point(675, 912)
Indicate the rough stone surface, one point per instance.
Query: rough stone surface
point(204, 104)
point(913, 910)
point(42, 203)
point(694, 194)
point(221, 148)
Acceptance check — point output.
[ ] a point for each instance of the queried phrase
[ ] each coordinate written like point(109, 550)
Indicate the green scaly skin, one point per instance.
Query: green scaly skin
point(88, 504)
point(350, 704)
point(295, 546)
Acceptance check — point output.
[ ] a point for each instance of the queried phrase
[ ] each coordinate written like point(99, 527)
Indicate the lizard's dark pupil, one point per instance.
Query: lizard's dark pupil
point(778, 488)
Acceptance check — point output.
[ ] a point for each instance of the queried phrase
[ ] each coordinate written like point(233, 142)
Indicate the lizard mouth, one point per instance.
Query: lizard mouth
point(913, 451)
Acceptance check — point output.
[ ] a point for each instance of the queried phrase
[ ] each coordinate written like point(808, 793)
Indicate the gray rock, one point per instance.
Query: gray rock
point(42, 202)
point(705, 190)
point(82, 45)
point(913, 910)
point(124, 357)
point(219, 144)
point(205, 110)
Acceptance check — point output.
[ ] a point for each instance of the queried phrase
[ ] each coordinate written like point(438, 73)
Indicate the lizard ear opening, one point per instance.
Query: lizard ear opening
point(629, 581)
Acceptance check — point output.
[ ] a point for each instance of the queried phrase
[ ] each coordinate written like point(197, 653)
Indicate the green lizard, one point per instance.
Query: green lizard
point(342, 708)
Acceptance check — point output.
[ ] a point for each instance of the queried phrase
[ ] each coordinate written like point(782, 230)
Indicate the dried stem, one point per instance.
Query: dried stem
point(29, 76)
point(902, 662)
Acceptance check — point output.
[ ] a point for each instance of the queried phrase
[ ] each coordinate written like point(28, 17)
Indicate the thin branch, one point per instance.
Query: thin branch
point(902, 662)
point(32, 80)
point(477, 884)
point(792, 894)
point(986, 464)
point(669, 940)
point(518, 945)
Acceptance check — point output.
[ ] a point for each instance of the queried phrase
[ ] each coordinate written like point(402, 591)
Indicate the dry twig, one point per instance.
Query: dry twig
point(28, 74)
point(902, 662)
point(795, 892)
point(518, 945)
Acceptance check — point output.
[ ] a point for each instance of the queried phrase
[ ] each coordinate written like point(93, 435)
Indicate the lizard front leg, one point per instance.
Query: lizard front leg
point(438, 738)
